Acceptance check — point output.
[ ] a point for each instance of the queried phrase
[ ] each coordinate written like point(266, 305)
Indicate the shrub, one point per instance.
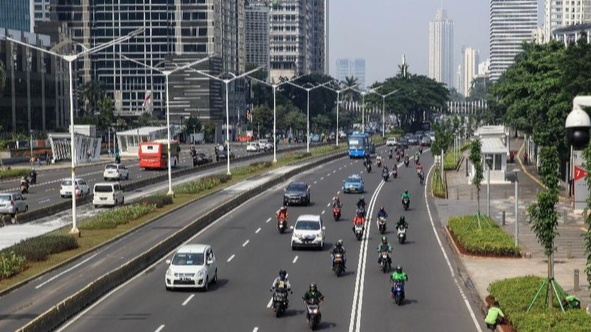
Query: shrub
point(38, 248)
point(195, 187)
point(11, 264)
point(305, 155)
point(436, 184)
point(252, 168)
point(448, 160)
point(14, 173)
point(223, 177)
point(121, 216)
point(489, 240)
point(158, 200)
point(515, 295)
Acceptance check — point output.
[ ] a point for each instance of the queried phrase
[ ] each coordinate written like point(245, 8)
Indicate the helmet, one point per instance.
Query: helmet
point(339, 243)
point(282, 274)
point(399, 269)
point(362, 198)
point(382, 208)
point(406, 191)
point(359, 213)
point(336, 197)
point(384, 240)
point(283, 208)
point(402, 218)
point(313, 287)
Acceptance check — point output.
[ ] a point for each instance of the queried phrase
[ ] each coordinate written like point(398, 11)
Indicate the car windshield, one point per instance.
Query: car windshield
point(103, 189)
point(307, 225)
point(111, 167)
point(4, 197)
point(296, 187)
point(188, 259)
point(67, 183)
point(353, 179)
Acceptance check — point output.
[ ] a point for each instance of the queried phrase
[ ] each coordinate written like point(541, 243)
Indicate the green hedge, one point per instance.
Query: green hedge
point(116, 217)
point(38, 248)
point(158, 200)
point(195, 187)
point(489, 240)
point(436, 184)
point(14, 173)
point(252, 168)
point(11, 264)
point(514, 296)
point(448, 160)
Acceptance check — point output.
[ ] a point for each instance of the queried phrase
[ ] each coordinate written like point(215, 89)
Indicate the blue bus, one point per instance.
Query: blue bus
point(360, 145)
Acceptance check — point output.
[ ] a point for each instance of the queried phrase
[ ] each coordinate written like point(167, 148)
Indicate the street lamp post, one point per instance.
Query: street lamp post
point(303, 87)
point(70, 59)
point(227, 81)
point(338, 103)
point(31, 146)
point(488, 164)
point(383, 106)
point(166, 74)
point(516, 171)
point(274, 86)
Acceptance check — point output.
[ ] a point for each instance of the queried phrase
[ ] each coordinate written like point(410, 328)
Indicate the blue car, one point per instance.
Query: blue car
point(353, 184)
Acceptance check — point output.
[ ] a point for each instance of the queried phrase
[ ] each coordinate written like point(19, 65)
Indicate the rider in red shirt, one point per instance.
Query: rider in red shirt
point(282, 213)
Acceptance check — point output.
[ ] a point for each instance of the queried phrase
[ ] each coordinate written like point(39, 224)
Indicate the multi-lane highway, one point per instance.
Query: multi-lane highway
point(46, 191)
point(250, 252)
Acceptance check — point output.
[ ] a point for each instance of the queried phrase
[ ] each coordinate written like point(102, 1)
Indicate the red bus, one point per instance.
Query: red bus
point(154, 155)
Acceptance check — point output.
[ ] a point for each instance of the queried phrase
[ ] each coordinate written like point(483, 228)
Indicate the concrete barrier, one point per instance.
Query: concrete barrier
point(69, 307)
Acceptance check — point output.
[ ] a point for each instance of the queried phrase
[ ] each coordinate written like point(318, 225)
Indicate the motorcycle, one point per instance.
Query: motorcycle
point(406, 203)
point(395, 173)
point(24, 187)
point(385, 175)
point(384, 261)
point(401, 234)
point(379, 162)
point(397, 158)
point(368, 168)
point(281, 225)
point(416, 160)
point(280, 302)
point(390, 155)
point(406, 162)
point(421, 177)
point(398, 292)
point(338, 264)
point(421, 150)
point(33, 178)
point(358, 231)
point(382, 225)
point(336, 213)
point(314, 314)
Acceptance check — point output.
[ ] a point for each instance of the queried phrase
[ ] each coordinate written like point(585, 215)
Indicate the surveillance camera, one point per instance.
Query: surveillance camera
point(577, 128)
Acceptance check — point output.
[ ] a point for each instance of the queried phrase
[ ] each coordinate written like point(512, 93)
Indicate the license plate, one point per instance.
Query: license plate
point(103, 198)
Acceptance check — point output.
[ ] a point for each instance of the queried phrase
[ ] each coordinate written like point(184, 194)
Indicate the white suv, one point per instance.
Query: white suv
point(108, 193)
point(308, 232)
point(81, 187)
point(115, 172)
point(192, 266)
point(391, 141)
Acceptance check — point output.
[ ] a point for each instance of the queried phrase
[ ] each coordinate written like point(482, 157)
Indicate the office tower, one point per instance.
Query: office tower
point(318, 37)
point(562, 13)
point(441, 43)
point(471, 58)
point(175, 31)
point(484, 68)
point(16, 15)
point(343, 69)
point(327, 38)
point(256, 21)
point(511, 23)
point(351, 68)
point(459, 79)
point(41, 11)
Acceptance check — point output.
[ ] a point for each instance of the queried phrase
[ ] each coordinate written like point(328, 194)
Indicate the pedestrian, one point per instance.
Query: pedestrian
point(494, 317)
point(525, 157)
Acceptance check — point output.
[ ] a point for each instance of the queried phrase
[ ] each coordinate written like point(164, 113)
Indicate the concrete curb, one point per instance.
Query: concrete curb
point(58, 314)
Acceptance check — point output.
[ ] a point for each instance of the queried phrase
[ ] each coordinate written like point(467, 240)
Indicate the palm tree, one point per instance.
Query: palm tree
point(350, 82)
point(90, 94)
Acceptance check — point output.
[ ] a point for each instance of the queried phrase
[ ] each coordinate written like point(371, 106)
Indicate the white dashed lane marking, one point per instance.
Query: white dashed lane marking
point(188, 299)
point(258, 230)
point(231, 258)
point(268, 220)
point(245, 243)
point(295, 259)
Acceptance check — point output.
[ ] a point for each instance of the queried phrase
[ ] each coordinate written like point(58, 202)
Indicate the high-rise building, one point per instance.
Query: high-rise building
point(511, 23)
point(484, 68)
point(175, 31)
point(441, 44)
point(41, 11)
point(256, 21)
point(471, 58)
point(318, 37)
point(351, 68)
point(562, 13)
point(459, 79)
point(16, 15)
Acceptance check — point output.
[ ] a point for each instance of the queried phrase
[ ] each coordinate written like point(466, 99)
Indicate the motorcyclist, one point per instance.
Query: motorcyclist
point(379, 160)
point(314, 296)
point(361, 203)
point(384, 246)
point(358, 220)
point(417, 155)
point(401, 223)
point(406, 195)
point(492, 317)
point(406, 159)
point(382, 213)
point(385, 171)
point(25, 182)
point(419, 168)
point(398, 275)
point(336, 202)
point(281, 282)
point(339, 249)
point(282, 213)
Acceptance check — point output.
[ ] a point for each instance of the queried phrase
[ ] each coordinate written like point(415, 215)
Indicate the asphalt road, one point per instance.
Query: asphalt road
point(250, 252)
point(46, 191)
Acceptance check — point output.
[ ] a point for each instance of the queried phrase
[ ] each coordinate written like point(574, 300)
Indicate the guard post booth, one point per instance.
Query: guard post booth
point(128, 141)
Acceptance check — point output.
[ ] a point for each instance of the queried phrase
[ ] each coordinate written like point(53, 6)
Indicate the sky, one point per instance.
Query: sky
point(381, 31)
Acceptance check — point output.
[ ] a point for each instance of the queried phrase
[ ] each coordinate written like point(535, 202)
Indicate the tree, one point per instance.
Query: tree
point(543, 216)
point(479, 88)
point(320, 122)
point(295, 120)
point(350, 82)
point(193, 125)
point(454, 95)
point(263, 119)
point(90, 94)
point(144, 119)
point(209, 131)
point(106, 116)
point(475, 158)
point(2, 78)
point(587, 235)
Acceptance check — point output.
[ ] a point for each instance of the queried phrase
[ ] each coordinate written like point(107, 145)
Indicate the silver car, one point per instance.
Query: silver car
point(13, 203)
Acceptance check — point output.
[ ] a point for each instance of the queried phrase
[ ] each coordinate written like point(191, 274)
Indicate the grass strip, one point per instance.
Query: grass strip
point(487, 240)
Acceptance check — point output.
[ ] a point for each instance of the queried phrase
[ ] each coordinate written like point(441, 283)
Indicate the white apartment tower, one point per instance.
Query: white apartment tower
point(441, 43)
point(471, 59)
point(561, 13)
point(511, 22)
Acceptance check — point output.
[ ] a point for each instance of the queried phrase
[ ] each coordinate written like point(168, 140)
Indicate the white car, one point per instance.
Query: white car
point(391, 141)
point(81, 188)
point(107, 193)
point(115, 172)
point(264, 144)
point(252, 147)
point(308, 231)
point(192, 266)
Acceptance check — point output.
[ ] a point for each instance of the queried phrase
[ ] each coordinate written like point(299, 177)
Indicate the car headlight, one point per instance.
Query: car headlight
point(200, 274)
point(169, 272)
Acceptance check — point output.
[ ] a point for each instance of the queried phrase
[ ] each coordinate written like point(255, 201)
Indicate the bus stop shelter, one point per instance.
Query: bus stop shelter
point(129, 141)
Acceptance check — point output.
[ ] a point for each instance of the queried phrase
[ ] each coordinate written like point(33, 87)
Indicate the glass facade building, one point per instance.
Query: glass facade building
point(16, 15)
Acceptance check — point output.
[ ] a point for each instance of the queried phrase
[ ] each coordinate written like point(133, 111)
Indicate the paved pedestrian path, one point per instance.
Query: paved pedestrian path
point(570, 253)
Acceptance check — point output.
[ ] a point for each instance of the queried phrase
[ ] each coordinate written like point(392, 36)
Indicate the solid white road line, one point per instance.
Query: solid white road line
point(160, 328)
point(268, 220)
point(295, 259)
point(231, 258)
point(64, 272)
point(245, 243)
point(188, 299)
point(258, 230)
point(451, 270)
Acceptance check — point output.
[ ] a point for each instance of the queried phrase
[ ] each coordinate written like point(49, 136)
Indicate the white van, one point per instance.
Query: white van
point(106, 193)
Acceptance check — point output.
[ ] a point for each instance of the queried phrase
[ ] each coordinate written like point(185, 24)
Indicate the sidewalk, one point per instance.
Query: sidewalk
point(570, 254)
